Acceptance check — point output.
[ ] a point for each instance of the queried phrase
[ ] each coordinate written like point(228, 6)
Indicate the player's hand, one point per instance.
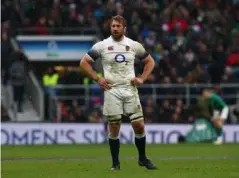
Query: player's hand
point(137, 81)
point(104, 83)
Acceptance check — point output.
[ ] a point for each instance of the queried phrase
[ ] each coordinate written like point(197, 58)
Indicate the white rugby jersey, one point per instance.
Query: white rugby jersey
point(118, 59)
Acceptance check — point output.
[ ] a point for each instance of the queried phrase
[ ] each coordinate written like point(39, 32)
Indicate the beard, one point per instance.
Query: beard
point(117, 35)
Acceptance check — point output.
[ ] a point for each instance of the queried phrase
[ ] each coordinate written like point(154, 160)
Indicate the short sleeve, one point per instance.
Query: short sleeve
point(94, 53)
point(140, 51)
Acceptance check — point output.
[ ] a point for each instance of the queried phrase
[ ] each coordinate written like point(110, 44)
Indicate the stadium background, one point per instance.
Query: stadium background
point(195, 44)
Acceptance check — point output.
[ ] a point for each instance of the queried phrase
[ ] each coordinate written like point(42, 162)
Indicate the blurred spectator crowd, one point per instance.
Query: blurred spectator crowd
point(192, 41)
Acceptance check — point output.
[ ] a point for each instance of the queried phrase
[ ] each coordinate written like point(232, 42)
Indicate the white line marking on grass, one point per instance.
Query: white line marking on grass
point(122, 158)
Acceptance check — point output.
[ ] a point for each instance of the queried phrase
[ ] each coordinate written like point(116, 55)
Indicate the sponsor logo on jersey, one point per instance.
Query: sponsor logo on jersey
point(120, 58)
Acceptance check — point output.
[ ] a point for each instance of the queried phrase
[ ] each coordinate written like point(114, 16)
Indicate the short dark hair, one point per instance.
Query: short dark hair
point(119, 19)
point(206, 89)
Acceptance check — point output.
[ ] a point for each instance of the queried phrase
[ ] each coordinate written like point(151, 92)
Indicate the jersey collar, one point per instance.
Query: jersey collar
point(124, 37)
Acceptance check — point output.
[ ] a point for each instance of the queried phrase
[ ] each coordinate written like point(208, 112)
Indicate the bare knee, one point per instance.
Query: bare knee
point(138, 127)
point(218, 123)
point(114, 126)
point(114, 129)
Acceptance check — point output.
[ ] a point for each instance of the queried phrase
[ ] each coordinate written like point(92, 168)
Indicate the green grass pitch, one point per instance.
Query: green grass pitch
point(93, 161)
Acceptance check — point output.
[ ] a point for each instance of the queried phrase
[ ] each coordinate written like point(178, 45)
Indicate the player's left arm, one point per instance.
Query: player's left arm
point(144, 56)
point(148, 67)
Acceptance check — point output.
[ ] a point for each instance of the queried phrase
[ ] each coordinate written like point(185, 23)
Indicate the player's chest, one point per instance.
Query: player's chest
point(117, 54)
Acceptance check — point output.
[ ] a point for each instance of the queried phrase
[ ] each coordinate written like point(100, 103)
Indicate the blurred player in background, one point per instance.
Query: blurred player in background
point(219, 111)
point(118, 54)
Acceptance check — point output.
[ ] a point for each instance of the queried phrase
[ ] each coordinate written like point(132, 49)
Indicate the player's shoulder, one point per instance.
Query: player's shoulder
point(131, 41)
point(106, 41)
point(134, 44)
point(101, 44)
point(215, 95)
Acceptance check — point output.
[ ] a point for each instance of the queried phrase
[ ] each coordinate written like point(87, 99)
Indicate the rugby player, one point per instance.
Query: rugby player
point(118, 54)
point(219, 110)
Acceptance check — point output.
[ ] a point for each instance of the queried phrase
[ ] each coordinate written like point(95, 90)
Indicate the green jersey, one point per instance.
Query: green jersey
point(216, 102)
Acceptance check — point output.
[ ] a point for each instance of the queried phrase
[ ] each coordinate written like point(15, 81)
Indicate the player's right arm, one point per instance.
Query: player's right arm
point(86, 65)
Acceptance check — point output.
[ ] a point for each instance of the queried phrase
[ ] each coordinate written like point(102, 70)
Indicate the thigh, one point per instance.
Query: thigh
point(132, 104)
point(113, 105)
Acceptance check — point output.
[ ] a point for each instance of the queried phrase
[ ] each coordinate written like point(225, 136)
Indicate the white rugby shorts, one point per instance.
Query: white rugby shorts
point(223, 114)
point(119, 101)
